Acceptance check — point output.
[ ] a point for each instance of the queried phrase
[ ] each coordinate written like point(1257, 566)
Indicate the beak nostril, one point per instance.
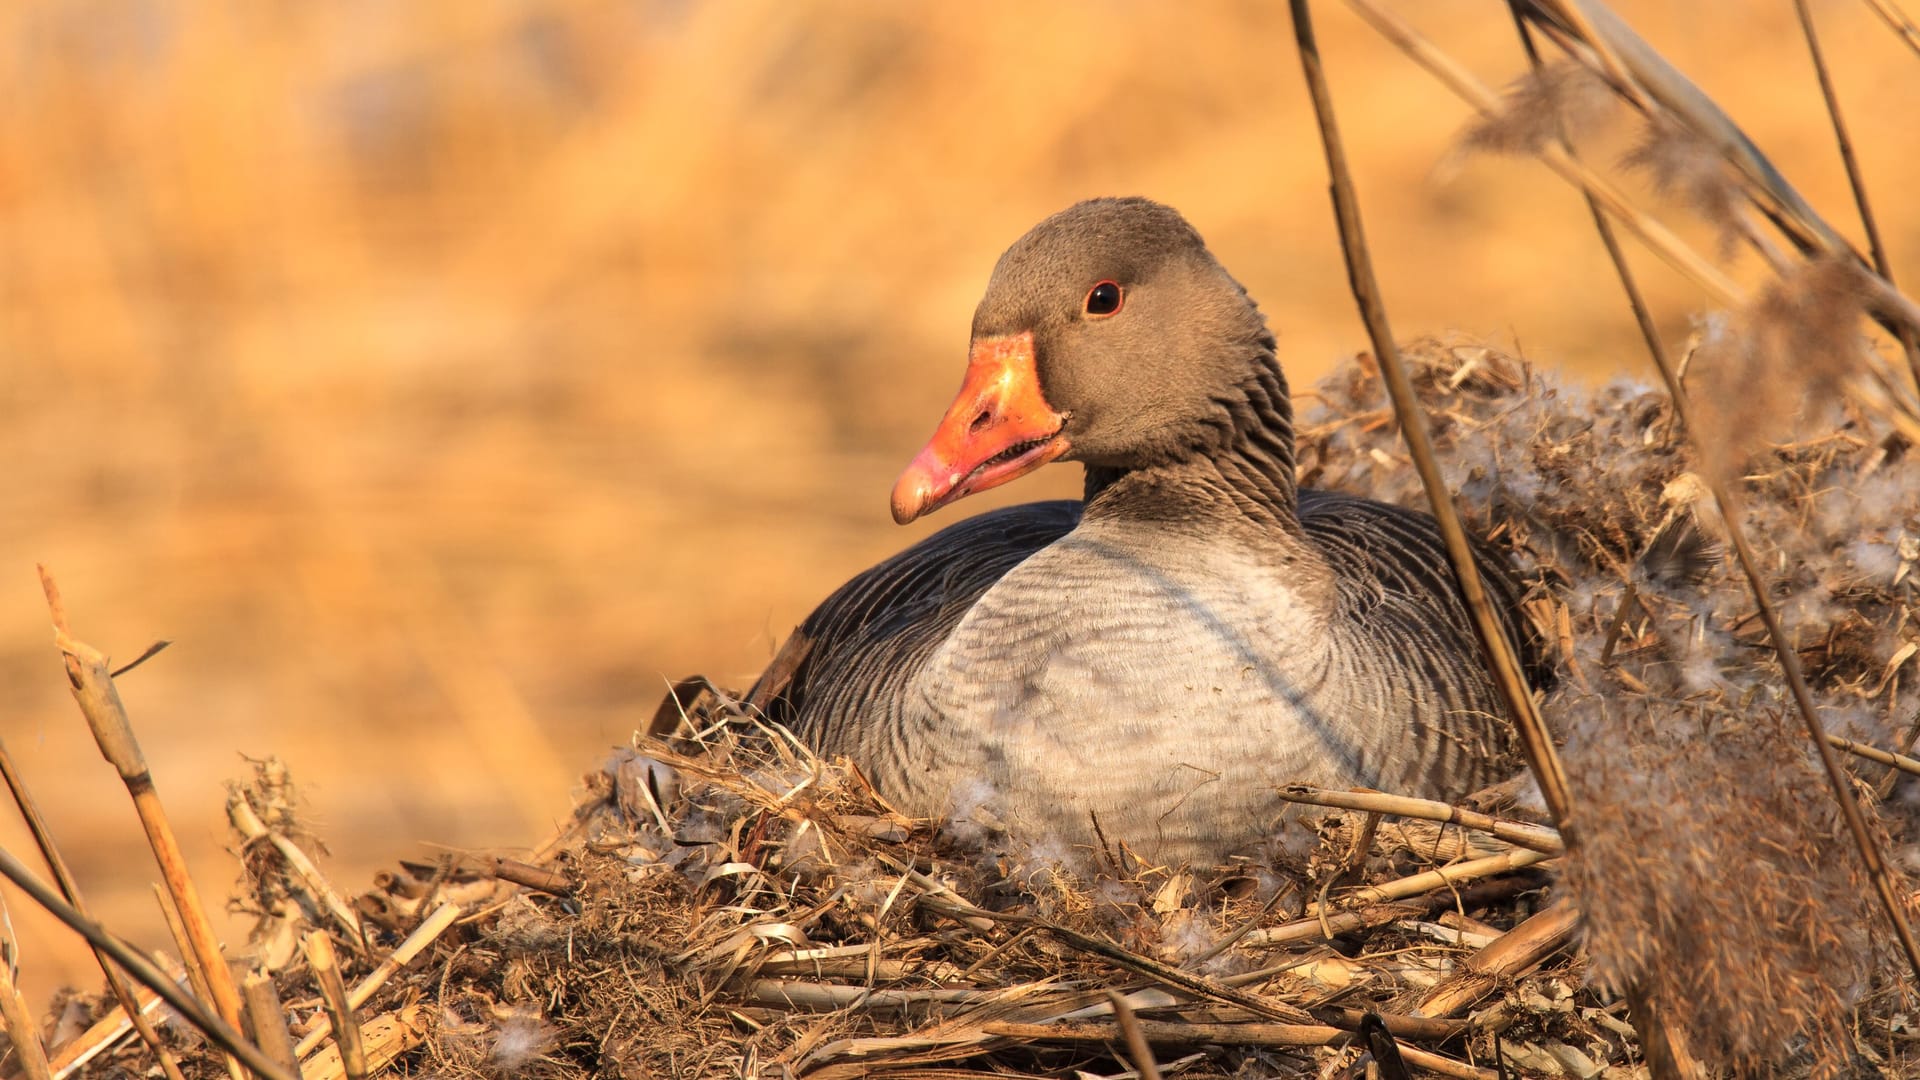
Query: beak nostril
point(985, 418)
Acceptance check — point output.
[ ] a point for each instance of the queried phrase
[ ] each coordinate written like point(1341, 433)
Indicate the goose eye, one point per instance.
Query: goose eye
point(1103, 299)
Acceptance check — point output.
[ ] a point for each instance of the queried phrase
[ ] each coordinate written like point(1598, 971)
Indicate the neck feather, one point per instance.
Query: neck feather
point(1243, 470)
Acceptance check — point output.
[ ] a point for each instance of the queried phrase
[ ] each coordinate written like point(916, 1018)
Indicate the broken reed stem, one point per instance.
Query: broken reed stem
point(1875, 754)
point(306, 875)
point(92, 685)
point(430, 928)
point(333, 993)
point(1427, 881)
point(1897, 20)
point(74, 1054)
point(216, 1029)
point(269, 1019)
point(1877, 249)
point(1542, 758)
point(1137, 1048)
point(1508, 956)
point(1386, 903)
point(528, 876)
point(387, 1037)
point(63, 879)
point(1519, 833)
point(21, 1030)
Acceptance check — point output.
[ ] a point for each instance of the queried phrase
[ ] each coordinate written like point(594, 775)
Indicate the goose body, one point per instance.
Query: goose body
point(1156, 661)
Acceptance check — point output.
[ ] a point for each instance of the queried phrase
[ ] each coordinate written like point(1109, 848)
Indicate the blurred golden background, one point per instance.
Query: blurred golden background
point(444, 378)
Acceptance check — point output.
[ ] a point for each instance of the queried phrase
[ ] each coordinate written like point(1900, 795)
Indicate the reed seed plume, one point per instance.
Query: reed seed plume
point(1780, 361)
point(1689, 169)
point(1538, 108)
point(1709, 880)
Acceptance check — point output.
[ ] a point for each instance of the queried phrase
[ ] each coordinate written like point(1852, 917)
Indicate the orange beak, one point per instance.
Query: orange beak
point(999, 427)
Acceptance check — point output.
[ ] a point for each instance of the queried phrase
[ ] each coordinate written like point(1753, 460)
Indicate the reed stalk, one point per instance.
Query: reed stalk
point(1535, 741)
point(70, 890)
point(142, 970)
point(91, 681)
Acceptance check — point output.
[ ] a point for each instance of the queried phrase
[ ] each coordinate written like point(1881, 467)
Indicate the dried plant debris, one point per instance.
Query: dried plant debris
point(726, 904)
point(1715, 871)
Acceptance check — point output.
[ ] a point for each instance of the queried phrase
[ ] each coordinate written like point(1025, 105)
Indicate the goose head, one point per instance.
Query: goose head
point(1108, 335)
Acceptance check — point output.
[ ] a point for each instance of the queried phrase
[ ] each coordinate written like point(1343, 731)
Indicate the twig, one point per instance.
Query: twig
point(21, 1030)
point(142, 970)
point(63, 878)
point(93, 689)
point(1873, 753)
point(528, 876)
point(269, 1019)
point(387, 1037)
point(196, 974)
point(1178, 1033)
point(1898, 21)
point(1542, 758)
point(826, 997)
point(1439, 878)
point(423, 935)
point(1383, 902)
point(307, 876)
point(1875, 246)
point(1511, 954)
point(1629, 601)
point(1137, 1048)
point(1174, 1033)
point(333, 993)
point(940, 897)
point(1519, 833)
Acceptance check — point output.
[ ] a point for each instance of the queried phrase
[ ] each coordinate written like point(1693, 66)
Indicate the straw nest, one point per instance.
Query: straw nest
point(724, 903)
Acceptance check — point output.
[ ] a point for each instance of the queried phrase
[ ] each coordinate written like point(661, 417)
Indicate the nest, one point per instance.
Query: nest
point(724, 903)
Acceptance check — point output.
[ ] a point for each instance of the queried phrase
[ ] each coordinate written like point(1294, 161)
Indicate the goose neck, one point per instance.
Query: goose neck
point(1241, 472)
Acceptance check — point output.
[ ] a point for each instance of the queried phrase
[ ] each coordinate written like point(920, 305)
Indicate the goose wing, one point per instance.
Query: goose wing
point(1394, 575)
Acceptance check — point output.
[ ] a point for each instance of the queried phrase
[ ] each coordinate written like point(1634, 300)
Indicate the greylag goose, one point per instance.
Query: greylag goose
point(1197, 632)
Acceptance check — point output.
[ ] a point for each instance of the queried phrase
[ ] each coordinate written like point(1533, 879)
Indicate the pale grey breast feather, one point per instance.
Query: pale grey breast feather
point(871, 636)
